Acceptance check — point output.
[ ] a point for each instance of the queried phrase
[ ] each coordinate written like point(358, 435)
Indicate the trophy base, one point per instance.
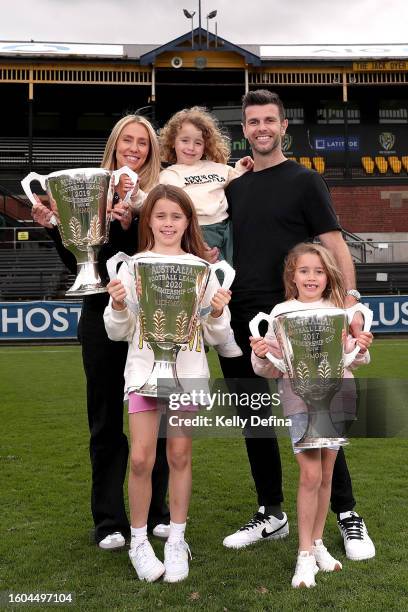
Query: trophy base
point(85, 290)
point(161, 391)
point(87, 282)
point(162, 381)
point(309, 442)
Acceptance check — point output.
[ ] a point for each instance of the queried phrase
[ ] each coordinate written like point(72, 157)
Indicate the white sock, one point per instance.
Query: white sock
point(139, 535)
point(176, 532)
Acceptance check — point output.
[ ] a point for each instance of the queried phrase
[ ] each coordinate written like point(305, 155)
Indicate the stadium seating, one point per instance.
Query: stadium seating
point(319, 164)
point(32, 273)
point(381, 163)
point(396, 283)
point(368, 164)
point(51, 152)
point(305, 161)
point(395, 164)
point(404, 160)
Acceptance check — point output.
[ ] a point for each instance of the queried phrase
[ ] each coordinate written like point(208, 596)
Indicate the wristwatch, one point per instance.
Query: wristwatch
point(354, 293)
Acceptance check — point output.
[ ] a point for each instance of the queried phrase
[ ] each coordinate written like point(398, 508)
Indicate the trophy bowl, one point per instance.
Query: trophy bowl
point(81, 199)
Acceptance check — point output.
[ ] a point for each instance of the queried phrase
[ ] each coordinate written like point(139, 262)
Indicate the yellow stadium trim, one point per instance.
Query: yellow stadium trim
point(222, 59)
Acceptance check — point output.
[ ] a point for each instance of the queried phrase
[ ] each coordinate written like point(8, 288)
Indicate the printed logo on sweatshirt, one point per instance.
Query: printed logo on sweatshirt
point(202, 179)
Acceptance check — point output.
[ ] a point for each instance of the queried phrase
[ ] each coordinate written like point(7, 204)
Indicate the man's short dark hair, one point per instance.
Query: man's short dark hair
point(261, 97)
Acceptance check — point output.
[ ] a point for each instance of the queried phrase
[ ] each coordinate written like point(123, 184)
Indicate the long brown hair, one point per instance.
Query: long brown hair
point(149, 173)
point(192, 240)
point(334, 291)
point(216, 144)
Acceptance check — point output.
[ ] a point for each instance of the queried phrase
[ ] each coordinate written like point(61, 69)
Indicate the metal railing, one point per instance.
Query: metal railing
point(386, 252)
point(24, 237)
point(363, 251)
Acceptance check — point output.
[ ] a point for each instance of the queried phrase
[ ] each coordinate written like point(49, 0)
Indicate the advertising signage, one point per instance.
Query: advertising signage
point(27, 321)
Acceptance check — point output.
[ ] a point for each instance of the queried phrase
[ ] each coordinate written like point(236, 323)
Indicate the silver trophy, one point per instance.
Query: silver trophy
point(82, 202)
point(312, 345)
point(170, 292)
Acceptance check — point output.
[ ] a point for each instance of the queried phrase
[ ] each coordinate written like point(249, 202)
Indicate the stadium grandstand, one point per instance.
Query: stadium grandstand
point(347, 108)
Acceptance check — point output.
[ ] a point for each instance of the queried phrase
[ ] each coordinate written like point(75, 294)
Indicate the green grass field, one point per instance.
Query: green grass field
point(45, 526)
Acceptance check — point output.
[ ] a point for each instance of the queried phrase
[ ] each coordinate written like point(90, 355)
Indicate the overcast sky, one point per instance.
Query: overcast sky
point(240, 21)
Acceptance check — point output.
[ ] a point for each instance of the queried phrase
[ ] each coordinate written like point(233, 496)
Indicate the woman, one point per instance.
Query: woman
point(133, 143)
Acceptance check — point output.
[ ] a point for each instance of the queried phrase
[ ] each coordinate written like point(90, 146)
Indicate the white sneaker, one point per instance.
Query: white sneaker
point(112, 541)
point(229, 348)
point(176, 561)
point(161, 531)
point(260, 527)
point(305, 571)
point(147, 565)
point(324, 560)
point(357, 542)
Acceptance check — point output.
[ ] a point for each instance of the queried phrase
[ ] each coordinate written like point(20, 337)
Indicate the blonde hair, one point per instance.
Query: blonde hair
point(149, 173)
point(192, 240)
point(217, 146)
point(334, 291)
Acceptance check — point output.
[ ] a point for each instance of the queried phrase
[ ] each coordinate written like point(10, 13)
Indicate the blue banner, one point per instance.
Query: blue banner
point(59, 320)
point(39, 320)
point(336, 143)
point(390, 313)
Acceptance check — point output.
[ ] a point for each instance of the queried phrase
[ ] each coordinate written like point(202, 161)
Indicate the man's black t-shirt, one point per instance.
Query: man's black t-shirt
point(271, 211)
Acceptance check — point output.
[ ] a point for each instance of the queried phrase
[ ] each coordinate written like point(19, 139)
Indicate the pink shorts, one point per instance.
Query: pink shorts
point(141, 403)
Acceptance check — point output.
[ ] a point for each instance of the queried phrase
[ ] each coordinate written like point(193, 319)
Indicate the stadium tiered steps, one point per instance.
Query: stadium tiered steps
point(396, 278)
point(35, 273)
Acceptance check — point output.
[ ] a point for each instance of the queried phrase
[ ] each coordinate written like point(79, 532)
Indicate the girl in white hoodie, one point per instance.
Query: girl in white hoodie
point(168, 226)
point(194, 144)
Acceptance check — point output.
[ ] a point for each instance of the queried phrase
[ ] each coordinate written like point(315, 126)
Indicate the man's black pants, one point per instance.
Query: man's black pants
point(263, 452)
point(104, 364)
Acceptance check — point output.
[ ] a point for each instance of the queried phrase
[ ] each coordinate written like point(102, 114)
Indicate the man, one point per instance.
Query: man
point(276, 206)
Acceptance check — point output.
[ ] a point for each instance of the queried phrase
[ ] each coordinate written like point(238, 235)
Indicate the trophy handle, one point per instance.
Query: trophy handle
point(229, 275)
point(25, 183)
point(368, 319)
point(229, 272)
point(118, 173)
point(111, 266)
point(254, 328)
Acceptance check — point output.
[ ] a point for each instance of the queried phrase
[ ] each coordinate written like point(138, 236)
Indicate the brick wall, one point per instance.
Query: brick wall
point(15, 209)
point(372, 209)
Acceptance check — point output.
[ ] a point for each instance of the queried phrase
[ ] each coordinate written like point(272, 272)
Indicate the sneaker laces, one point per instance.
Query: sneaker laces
point(176, 549)
point(142, 551)
point(353, 526)
point(255, 521)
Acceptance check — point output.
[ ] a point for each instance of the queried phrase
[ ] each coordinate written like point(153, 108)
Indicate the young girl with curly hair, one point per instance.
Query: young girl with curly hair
point(193, 142)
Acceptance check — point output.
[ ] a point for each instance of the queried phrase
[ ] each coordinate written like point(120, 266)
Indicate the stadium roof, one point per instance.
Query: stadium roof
point(253, 54)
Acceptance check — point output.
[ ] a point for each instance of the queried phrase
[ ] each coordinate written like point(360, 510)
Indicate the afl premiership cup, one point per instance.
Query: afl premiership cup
point(81, 199)
point(169, 293)
point(312, 345)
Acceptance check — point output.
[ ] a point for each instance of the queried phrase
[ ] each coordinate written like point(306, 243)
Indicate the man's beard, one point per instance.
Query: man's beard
point(276, 144)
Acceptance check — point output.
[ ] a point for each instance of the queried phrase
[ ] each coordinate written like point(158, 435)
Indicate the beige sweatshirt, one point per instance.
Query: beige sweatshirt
point(205, 183)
